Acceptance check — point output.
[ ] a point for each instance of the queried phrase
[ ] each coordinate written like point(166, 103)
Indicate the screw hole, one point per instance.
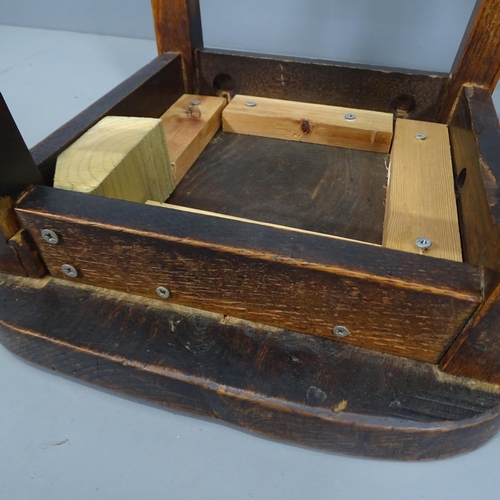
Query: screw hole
point(403, 104)
point(223, 83)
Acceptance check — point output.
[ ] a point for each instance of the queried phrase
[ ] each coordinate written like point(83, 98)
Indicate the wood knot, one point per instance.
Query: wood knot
point(306, 128)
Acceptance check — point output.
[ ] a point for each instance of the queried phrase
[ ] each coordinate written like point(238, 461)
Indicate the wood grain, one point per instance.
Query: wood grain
point(119, 157)
point(178, 29)
point(315, 188)
point(322, 82)
point(189, 128)
point(311, 123)
point(272, 382)
point(478, 60)
point(421, 193)
point(147, 93)
point(283, 278)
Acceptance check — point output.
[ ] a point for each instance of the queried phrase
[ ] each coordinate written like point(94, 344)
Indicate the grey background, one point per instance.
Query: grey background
point(63, 440)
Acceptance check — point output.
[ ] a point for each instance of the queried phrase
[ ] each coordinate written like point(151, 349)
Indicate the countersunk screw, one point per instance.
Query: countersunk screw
point(50, 236)
point(341, 331)
point(251, 104)
point(69, 271)
point(420, 136)
point(195, 102)
point(423, 243)
point(350, 117)
point(163, 292)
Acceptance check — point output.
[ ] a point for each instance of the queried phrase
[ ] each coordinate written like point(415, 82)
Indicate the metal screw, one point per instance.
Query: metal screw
point(423, 243)
point(251, 104)
point(341, 331)
point(350, 117)
point(195, 102)
point(420, 136)
point(69, 271)
point(163, 292)
point(50, 236)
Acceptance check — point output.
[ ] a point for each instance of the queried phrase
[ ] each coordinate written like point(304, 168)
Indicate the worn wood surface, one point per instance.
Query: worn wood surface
point(411, 305)
point(475, 140)
point(119, 157)
point(311, 123)
point(178, 29)
point(317, 188)
point(17, 168)
point(28, 256)
point(147, 93)
point(416, 96)
point(189, 128)
point(478, 60)
point(299, 388)
point(420, 199)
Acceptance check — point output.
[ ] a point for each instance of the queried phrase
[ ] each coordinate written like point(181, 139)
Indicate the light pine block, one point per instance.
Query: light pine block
point(420, 199)
point(119, 157)
point(312, 123)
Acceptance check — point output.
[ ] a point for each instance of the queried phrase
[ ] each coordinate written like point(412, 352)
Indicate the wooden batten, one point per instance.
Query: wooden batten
point(420, 199)
point(189, 128)
point(120, 157)
point(312, 123)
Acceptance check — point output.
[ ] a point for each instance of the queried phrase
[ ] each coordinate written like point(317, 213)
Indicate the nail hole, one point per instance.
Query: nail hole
point(403, 104)
point(223, 82)
point(460, 181)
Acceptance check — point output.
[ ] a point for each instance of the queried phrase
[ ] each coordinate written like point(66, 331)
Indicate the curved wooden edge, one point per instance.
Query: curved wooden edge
point(236, 372)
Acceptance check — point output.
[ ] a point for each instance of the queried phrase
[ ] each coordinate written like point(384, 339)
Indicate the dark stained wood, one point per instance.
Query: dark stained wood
point(416, 95)
point(178, 29)
point(17, 168)
point(147, 93)
point(9, 225)
point(478, 60)
point(27, 253)
point(475, 141)
point(278, 383)
point(318, 188)
point(414, 306)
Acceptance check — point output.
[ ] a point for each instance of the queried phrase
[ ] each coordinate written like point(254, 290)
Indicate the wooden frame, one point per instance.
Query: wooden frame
point(278, 382)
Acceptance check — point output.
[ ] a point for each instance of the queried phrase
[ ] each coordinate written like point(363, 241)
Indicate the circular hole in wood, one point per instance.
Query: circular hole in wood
point(223, 82)
point(403, 104)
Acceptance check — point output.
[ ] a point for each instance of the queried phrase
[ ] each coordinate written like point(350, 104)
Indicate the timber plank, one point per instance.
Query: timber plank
point(287, 279)
point(389, 90)
point(420, 199)
point(188, 135)
point(312, 123)
point(278, 383)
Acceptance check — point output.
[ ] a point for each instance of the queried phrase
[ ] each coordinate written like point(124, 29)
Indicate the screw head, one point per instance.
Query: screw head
point(251, 104)
point(423, 243)
point(350, 117)
point(163, 292)
point(420, 136)
point(195, 102)
point(50, 236)
point(341, 331)
point(69, 271)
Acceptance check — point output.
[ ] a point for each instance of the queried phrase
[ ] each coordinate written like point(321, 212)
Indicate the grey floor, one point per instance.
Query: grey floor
point(64, 440)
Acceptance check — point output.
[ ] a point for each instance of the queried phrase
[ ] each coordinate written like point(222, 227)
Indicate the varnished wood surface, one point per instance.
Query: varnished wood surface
point(278, 383)
point(317, 188)
point(405, 305)
point(417, 95)
point(478, 60)
point(420, 201)
point(147, 93)
point(310, 123)
point(178, 29)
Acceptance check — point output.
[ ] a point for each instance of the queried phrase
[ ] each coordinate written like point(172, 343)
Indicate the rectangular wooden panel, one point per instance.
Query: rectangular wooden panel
point(415, 94)
point(388, 301)
point(311, 123)
point(189, 128)
point(421, 193)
